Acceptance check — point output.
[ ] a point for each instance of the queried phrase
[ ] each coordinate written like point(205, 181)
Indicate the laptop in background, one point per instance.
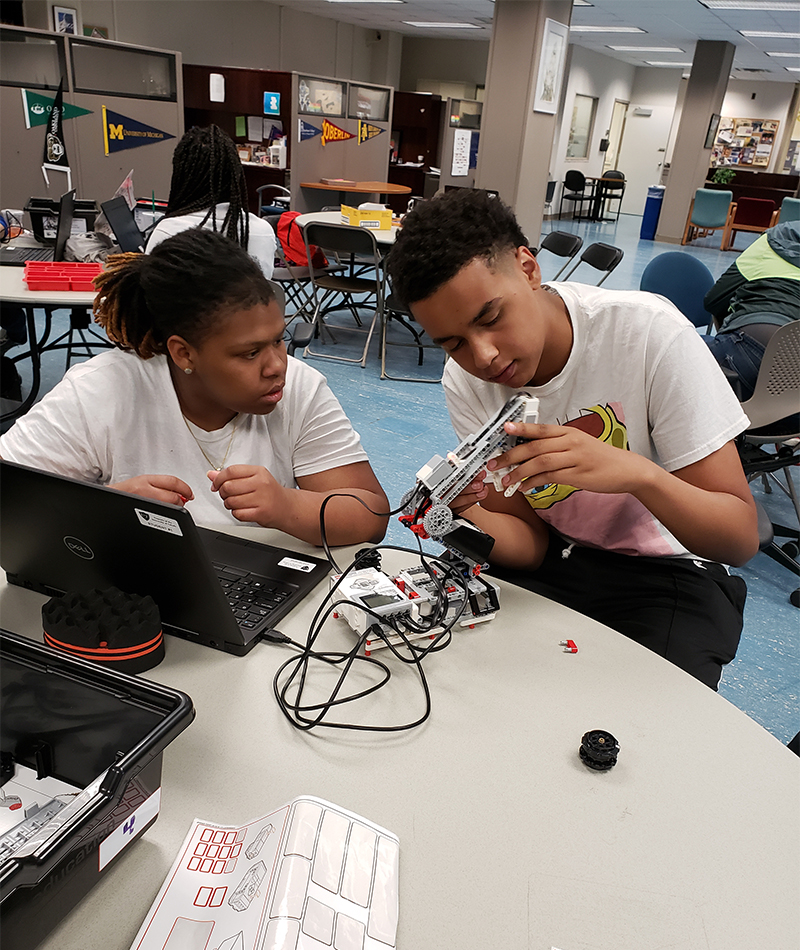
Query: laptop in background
point(59, 534)
point(123, 224)
point(19, 256)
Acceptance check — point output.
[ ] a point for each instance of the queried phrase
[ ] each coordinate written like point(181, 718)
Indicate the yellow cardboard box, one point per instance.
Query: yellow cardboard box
point(375, 220)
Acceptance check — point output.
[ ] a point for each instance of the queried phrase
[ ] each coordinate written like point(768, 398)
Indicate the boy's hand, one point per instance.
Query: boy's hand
point(568, 456)
point(167, 488)
point(476, 491)
point(250, 493)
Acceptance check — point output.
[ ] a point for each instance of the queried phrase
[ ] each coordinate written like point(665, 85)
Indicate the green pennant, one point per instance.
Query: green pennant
point(37, 108)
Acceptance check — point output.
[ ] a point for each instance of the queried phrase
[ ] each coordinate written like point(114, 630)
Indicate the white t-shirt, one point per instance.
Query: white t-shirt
point(638, 376)
point(116, 416)
point(261, 246)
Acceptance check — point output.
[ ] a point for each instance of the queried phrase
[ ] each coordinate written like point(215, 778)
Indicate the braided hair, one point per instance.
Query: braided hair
point(183, 287)
point(206, 170)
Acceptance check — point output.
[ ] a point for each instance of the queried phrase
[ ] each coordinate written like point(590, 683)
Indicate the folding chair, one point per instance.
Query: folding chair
point(276, 201)
point(394, 311)
point(562, 244)
point(683, 279)
point(603, 257)
point(350, 246)
point(774, 419)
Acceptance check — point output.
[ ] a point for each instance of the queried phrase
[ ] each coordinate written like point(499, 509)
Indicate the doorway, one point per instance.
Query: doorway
point(615, 133)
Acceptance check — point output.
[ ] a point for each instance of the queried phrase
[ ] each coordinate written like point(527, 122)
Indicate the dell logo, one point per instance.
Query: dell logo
point(76, 546)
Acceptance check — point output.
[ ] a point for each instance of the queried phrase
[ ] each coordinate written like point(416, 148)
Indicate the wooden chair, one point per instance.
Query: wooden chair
point(709, 211)
point(749, 214)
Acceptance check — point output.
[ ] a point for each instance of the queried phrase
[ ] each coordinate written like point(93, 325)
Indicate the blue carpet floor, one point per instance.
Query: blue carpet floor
point(403, 424)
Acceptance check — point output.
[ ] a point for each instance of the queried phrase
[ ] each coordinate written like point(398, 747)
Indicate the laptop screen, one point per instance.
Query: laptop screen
point(66, 212)
point(123, 224)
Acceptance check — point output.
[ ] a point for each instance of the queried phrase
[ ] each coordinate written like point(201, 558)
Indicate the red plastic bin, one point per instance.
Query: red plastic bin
point(64, 275)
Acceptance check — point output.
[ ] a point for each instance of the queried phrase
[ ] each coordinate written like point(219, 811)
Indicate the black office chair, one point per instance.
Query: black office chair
point(603, 257)
point(774, 420)
point(562, 244)
point(351, 247)
point(612, 189)
point(574, 190)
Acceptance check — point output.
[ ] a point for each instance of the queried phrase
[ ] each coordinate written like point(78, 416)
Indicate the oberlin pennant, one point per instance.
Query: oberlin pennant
point(54, 156)
point(332, 133)
point(37, 108)
point(120, 132)
point(308, 131)
point(367, 131)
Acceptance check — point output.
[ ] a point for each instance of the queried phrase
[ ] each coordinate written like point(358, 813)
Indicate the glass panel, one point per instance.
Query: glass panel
point(123, 72)
point(367, 102)
point(321, 96)
point(580, 128)
point(465, 114)
point(29, 60)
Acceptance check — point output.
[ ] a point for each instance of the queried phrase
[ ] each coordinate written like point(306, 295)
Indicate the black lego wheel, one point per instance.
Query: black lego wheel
point(599, 750)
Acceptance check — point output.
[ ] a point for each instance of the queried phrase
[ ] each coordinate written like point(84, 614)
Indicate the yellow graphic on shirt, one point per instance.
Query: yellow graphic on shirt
point(603, 423)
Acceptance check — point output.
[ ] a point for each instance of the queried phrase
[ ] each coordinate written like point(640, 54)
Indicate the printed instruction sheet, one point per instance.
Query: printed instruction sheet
point(307, 874)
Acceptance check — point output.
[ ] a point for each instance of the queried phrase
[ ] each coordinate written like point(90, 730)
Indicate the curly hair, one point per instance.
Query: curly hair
point(181, 288)
point(444, 234)
point(206, 171)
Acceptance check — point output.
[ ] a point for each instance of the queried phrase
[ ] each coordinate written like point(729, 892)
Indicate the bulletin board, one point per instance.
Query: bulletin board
point(745, 142)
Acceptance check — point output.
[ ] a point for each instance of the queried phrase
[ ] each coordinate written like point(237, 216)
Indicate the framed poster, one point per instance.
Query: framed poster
point(713, 128)
point(321, 97)
point(551, 66)
point(368, 102)
point(65, 20)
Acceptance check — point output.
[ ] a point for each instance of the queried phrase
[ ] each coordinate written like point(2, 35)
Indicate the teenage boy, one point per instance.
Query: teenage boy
point(641, 497)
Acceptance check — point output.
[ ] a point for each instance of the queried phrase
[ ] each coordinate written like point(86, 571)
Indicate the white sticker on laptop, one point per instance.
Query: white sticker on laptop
point(296, 565)
point(161, 523)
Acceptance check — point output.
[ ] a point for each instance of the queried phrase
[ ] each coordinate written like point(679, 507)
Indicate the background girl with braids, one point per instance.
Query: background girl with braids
point(199, 403)
point(208, 191)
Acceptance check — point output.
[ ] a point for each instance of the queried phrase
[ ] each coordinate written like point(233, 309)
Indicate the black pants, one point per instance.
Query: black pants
point(689, 612)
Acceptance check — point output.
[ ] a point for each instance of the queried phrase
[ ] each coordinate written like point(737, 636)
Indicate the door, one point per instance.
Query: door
point(615, 134)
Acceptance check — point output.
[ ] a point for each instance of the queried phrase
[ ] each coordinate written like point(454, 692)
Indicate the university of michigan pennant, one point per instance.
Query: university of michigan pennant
point(120, 132)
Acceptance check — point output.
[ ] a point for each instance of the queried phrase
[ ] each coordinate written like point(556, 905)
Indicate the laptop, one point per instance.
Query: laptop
point(123, 224)
point(59, 534)
point(19, 256)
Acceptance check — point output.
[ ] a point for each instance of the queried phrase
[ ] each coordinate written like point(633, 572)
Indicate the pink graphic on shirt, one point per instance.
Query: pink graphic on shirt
point(613, 522)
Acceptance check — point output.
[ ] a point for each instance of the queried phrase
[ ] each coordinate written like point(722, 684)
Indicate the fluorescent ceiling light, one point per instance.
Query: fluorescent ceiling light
point(366, 1)
point(443, 26)
point(607, 29)
point(771, 34)
point(751, 4)
point(647, 49)
point(792, 69)
point(653, 62)
point(790, 55)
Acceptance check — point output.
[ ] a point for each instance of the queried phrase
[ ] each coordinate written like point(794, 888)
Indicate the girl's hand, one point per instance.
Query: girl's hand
point(168, 488)
point(250, 493)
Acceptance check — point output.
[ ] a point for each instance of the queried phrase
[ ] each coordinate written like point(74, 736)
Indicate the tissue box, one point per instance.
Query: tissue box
point(375, 220)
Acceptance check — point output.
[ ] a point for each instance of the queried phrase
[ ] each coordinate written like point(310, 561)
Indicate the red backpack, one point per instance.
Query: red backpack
point(294, 248)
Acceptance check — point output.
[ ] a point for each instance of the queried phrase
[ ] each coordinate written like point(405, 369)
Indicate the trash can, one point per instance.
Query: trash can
point(652, 209)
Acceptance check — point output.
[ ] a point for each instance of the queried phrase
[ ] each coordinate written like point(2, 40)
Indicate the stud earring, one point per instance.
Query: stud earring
point(188, 371)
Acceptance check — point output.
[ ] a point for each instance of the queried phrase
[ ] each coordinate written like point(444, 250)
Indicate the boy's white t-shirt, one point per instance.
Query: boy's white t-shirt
point(117, 416)
point(638, 376)
point(261, 245)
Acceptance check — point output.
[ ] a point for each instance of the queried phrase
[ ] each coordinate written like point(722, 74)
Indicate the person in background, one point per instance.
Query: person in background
point(632, 494)
point(199, 404)
point(758, 293)
point(208, 190)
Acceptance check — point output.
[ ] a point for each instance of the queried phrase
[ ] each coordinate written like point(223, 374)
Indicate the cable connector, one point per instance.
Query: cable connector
point(570, 646)
point(275, 636)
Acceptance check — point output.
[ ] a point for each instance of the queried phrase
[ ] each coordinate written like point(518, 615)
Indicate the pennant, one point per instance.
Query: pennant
point(120, 132)
point(37, 108)
point(54, 156)
point(308, 131)
point(367, 131)
point(332, 133)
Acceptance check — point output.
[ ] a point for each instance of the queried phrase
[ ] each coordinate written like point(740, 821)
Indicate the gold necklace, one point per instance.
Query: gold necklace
point(217, 468)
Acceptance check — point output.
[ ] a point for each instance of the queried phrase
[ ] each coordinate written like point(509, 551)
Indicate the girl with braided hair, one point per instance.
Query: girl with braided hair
point(198, 404)
point(208, 191)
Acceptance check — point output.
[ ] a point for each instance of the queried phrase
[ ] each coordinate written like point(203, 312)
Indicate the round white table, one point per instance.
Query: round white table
point(506, 838)
point(334, 217)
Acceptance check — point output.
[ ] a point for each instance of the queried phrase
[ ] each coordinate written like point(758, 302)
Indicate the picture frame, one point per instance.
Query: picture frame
point(65, 20)
point(713, 129)
point(550, 73)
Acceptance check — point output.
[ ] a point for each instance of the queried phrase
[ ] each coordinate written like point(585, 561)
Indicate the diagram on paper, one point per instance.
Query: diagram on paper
point(306, 875)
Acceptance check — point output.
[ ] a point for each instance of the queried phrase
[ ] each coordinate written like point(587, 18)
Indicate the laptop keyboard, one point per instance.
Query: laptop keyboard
point(336, 884)
point(28, 254)
point(252, 598)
